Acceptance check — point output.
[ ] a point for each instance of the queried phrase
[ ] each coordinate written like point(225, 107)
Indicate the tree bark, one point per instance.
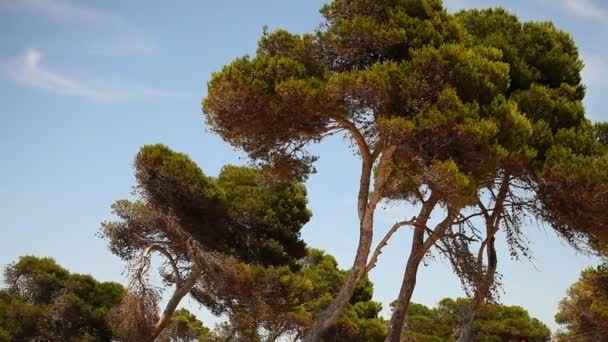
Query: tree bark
point(487, 278)
point(366, 207)
point(407, 287)
point(419, 249)
point(466, 328)
point(180, 292)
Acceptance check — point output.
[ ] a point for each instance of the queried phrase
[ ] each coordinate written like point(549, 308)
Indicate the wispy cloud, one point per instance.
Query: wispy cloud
point(585, 8)
point(110, 33)
point(29, 71)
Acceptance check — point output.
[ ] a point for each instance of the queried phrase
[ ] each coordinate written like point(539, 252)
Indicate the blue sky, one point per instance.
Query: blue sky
point(84, 84)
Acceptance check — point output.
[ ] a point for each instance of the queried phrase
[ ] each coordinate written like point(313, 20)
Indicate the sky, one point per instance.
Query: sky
point(84, 84)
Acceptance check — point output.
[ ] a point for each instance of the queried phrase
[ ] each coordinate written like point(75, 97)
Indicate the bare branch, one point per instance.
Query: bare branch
point(178, 294)
point(354, 131)
point(164, 252)
point(384, 242)
point(464, 219)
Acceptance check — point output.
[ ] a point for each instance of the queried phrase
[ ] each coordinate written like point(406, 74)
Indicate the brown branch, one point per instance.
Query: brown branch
point(381, 177)
point(467, 218)
point(322, 132)
point(440, 229)
point(167, 255)
point(366, 167)
point(178, 294)
point(493, 220)
point(359, 138)
point(384, 242)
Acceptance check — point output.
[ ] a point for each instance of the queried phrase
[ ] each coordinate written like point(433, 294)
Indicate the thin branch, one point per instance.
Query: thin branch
point(440, 229)
point(326, 130)
point(366, 167)
point(164, 252)
point(384, 242)
point(467, 218)
point(359, 138)
point(381, 176)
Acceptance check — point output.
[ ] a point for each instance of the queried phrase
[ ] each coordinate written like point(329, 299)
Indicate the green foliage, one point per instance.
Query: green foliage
point(584, 312)
point(241, 213)
point(359, 321)
point(478, 89)
point(494, 323)
point(44, 301)
point(537, 53)
point(269, 302)
point(184, 327)
point(457, 101)
point(574, 188)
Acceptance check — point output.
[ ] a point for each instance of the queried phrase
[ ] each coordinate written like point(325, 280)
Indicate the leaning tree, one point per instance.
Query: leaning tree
point(207, 229)
point(440, 108)
point(560, 178)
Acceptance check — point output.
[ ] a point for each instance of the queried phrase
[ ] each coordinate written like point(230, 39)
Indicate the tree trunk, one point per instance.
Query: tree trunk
point(366, 207)
point(419, 249)
point(328, 317)
point(407, 287)
point(466, 328)
point(487, 279)
point(179, 293)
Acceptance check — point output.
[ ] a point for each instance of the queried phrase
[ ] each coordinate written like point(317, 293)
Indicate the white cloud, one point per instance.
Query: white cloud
point(28, 70)
point(585, 8)
point(110, 34)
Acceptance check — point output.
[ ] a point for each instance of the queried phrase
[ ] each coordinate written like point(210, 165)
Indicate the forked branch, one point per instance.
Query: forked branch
point(166, 254)
point(384, 242)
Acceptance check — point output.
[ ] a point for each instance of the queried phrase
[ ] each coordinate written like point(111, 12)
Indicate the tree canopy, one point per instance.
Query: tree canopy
point(493, 323)
point(44, 301)
point(204, 227)
point(240, 213)
point(270, 303)
point(185, 327)
point(440, 107)
point(584, 311)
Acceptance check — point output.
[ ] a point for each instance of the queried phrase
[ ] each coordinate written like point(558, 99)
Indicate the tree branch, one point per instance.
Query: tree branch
point(384, 242)
point(178, 294)
point(163, 251)
point(354, 131)
point(440, 229)
point(366, 167)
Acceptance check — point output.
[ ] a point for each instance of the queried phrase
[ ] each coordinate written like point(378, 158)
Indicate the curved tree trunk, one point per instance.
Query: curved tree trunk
point(407, 287)
point(419, 249)
point(180, 292)
point(466, 328)
point(329, 316)
point(366, 207)
point(487, 278)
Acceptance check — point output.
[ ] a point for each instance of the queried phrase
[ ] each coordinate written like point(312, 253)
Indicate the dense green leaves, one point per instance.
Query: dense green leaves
point(445, 106)
point(537, 52)
point(241, 212)
point(185, 327)
point(264, 303)
point(584, 312)
point(574, 188)
point(44, 301)
point(494, 323)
